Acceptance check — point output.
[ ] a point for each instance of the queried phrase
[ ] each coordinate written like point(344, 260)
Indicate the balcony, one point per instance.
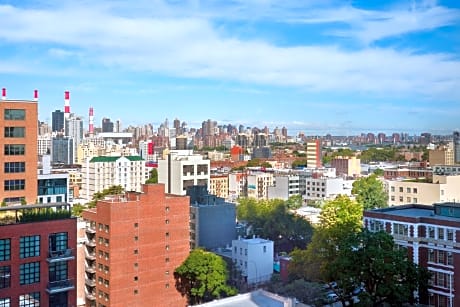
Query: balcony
point(90, 295)
point(90, 255)
point(91, 243)
point(90, 230)
point(60, 286)
point(62, 255)
point(90, 269)
point(90, 282)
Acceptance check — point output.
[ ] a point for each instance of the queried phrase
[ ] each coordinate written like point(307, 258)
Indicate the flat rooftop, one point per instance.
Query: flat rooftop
point(259, 298)
point(419, 211)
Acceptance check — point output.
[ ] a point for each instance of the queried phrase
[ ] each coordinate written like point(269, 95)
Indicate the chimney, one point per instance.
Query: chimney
point(3, 93)
point(35, 95)
point(66, 104)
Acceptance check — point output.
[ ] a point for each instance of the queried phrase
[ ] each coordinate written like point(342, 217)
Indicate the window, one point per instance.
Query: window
point(58, 242)
point(14, 185)
point(375, 226)
point(408, 190)
point(166, 259)
point(5, 249)
point(5, 276)
point(400, 229)
point(136, 264)
point(15, 114)
point(392, 189)
point(430, 255)
point(106, 269)
point(414, 190)
point(136, 292)
point(29, 273)
point(450, 259)
point(441, 257)
point(167, 209)
point(415, 200)
point(15, 167)
point(401, 199)
point(136, 278)
point(167, 286)
point(167, 235)
point(29, 246)
point(265, 249)
point(392, 198)
point(136, 252)
point(450, 235)
point(167, 221)
point(441, 233)
point(241, 251)
point(245, 251)
point(167, 247)
point(408, 199)
point(58, 271)
point(136, 225)
point(15, 132)
point(14, 149)
point(401, 189)
point(431, 232)
point(106, 228)
point(5, 302)
point(30, 299)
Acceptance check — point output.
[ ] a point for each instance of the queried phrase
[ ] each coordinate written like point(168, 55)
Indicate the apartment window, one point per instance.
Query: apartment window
point(5, 249)
point(441, 257)
point(14, 185)
point(136, 292)
point(100, 280)
point(167, 286)
point(450, 235)
point(136, 238)
point(15, 114)
point(106, 228)
point(401, 189)
point(441, 233)
point(29, 246)
point(101, 254)
point(14, 149)
point(167, 209)
point(430, 255)
point(100, 240)
point(136, 278)
point(415, 200)
point(241, 251)
point(431, 232)
point(15, 132)
point(136, 252)
point(376, 226)
point(441, 279)
point(167, 247)
point(58, 271)
point(29, 273)
point(400, 229)
point(166, 272)
point(30, 299)
point(408, 190)
point(245, 251)
point(166, 259)
point(136, 264)
point(392, 189)
point(265, 249)
point(106, 282)
point(15, 167)
point(450, 259)
point(5, 302)
point(167, 221)
point(106, 242)
point(414, 190)
point(136, 225)
point(106, 256)
point(401, 199)
point(408, 199)
point(167, 235)
point(5, 276)
point(392, 198)
point(236, 249)
point(100, 266)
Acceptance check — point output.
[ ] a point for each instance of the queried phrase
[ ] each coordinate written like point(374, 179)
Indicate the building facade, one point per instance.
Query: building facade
point(284, 187)
point(57, 121)
point(218, 185)
point(134, 244)
point(18, 154)
point(314, 153)
point(37, 256)
point(347, 166)
point(62, 150)
point(431, 235)
point(258, 183)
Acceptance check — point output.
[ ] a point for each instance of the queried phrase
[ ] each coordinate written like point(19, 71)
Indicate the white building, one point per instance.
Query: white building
point(258, 184)
point(254, 257)
point(326, 188)
point(284, 187)
point(182, 168)
point(44, 144)
point(236, 186)
point(100, 173)
point(74, 129)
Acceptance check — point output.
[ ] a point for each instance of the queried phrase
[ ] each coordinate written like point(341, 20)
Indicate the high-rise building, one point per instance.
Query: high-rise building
point(457, 146)
point(314, 153)
point(62, 150)
point(134, 244)
point(74, 130)
point(37, 255)
point(18, 150)
point(57, 121)
point(107, 125)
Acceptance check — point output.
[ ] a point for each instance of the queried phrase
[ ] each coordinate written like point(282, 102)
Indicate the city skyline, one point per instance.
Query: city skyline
point(324, 67)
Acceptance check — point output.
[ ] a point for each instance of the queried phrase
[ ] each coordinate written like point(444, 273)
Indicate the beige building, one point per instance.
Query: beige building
point(443, 155)
point(218, 185)
point(314, 153)
point(100, 173)
point(347, 166)
point(258, 184)
point(443, 189)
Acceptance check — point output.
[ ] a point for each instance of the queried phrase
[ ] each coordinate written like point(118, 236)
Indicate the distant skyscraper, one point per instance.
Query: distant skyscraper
point(118, 127)
point(62, 149)
point(107, 125)
point(57, 121)
point(284, 132)
point(74, 130)
point(457, 146)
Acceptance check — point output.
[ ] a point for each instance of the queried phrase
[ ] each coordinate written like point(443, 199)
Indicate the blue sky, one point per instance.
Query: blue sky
point(320, 66)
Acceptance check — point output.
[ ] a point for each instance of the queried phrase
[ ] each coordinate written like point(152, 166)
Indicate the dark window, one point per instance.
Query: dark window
point(14, 149)
point(14, 185)
point(58, 271)
point(29, 246)
point(15, 132)
point(30, 299)
point(5, 276)
point(15, 167)
point(29, 273)
point(58, 242)
point(5, 249)
point(58, 299)
point(15, 114)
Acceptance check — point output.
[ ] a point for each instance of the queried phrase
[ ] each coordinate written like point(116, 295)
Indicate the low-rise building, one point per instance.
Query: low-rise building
point(218, 185)
point(258, 183)
point(284, 187)
point(347, 166)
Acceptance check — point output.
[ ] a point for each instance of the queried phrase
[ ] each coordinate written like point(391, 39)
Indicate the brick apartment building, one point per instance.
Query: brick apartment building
point(134, 243)
point(431, 235)
point(18, 150)
point(37, 256)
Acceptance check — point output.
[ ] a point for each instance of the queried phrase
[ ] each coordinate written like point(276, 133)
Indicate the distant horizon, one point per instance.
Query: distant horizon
point(314, 66)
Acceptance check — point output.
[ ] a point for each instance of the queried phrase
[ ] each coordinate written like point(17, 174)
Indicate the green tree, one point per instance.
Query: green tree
point(203, 277)
point(387, 274)
point(305, 291)
point(299, 163)
point(113, 190)
point(153, 178)
point(370, 193)
point(77, 209)
point(294, 202)
point(378, 172)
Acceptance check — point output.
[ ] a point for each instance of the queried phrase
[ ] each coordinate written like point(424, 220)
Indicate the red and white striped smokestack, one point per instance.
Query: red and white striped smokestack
point(66, 104)
point(3, 93)
point(91, 121)
point(35, 95)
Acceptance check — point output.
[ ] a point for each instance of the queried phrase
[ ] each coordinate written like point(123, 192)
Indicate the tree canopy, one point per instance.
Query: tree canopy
point(153, 177)
point(271, 219)
point(370, 193)
point(203, 277)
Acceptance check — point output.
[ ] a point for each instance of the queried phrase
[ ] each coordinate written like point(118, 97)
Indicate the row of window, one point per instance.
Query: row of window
point(14, 167)
point(14, 149)
point(432, 232)
point(14, 114)
point(25, 300)
point(408, 199)
point(15, 132)
point(14, 185)
point(440, 257)
point(29, 246)
point(408, 190)
point(440, 279)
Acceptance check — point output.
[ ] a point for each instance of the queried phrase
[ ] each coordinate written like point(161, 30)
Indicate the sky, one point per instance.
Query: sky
point(319, 66)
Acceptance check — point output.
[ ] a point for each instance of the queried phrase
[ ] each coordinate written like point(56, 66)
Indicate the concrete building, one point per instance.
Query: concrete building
point(447, 170)
point(107, 125)
point(254, 257)
point(258, 183)
point(18, 154)
point(44, 144)
point(134, 244)
point(237, 186)
point(324, 188)
point(218, 185)
point(62, 150)
point(57, 121)
point(100, 173)
point(74, 129)
point(314, 153)
point(443, 155)
point(53, 187)
point(443, 189)
point(37, 255)
point(284, 187)
point(431, 235)
point(181, 169)
point(212, 220)
point(347, 166)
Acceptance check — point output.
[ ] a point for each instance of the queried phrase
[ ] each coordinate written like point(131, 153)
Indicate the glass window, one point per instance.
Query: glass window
point(392, 189)
point(15, 132)
point(58, 271)
point(5, 249)
point(14, 185)
point(414, 190)
point(401, 189)
point(15, 114)
point(450, 259)
point(441, 233)
point(400, 229)
point(431, 233)
point(450, 235)
point(430, 255)
point(29, 273)
point(408, 190)
point(5, 276)
point(14, 149)
point(29, 246)
point(58, 241)
point(15, 167)
point(5, 302)
point(30, 300)
point(441, 257)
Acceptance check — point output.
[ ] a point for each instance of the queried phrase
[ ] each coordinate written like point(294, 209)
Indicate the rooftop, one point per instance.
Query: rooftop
point(34, 213)
point(259, 298)
point(114, 158)
point(434, 211)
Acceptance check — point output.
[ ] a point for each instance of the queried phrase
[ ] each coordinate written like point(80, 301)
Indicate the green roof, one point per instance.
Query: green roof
point(113, 159)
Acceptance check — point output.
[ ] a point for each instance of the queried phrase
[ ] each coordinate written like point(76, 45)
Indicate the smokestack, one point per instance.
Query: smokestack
point(35, 95)
point(91, 121)
point(66, 104)
point(3, 93)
